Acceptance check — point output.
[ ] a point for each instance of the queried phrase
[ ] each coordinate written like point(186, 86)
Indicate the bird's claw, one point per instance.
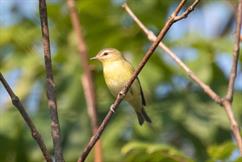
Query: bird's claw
point(112, 109)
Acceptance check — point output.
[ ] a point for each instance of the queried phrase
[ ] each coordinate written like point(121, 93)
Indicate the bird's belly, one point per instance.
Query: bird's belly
point(117, 76)
point(115, 84)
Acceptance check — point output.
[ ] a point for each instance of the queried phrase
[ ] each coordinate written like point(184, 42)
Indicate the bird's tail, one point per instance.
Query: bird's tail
point(143, 116)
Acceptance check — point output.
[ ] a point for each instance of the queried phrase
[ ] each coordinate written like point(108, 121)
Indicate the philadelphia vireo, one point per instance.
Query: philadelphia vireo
point(117, 72)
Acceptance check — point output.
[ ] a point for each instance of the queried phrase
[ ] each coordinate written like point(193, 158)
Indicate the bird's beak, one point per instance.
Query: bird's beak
point(94, 58)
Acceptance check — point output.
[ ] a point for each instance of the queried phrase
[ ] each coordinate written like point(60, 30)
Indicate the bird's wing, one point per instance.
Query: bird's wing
point(142, 94)
point(131, 72)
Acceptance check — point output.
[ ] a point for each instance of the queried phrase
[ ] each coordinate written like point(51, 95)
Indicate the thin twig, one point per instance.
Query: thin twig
point(188, 10)
point(123, 92)
point(225, 103)
point(87, 80)
point(233, 124)
point(55, 126)
point(233, 72)
point(34, 132)
point(177, 10)
point(228, 100)
point(151, 36)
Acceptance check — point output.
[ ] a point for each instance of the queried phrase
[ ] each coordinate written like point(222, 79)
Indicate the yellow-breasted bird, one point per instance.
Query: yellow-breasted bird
point(117, 72)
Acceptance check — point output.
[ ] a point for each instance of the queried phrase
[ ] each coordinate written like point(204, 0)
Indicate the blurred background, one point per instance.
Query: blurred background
point(187, 125)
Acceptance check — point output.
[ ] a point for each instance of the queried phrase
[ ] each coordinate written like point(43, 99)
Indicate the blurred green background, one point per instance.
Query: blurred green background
point(187, 125)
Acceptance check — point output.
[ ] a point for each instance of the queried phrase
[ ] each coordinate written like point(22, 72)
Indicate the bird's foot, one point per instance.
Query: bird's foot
point(112, 109)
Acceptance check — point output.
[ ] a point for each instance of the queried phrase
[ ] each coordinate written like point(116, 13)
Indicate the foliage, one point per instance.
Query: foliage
point(152, 152)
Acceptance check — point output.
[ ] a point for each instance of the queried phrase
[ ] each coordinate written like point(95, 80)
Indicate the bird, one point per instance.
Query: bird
point(117, 72)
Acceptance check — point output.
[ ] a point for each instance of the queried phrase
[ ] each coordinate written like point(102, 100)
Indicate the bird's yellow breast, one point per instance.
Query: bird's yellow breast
point(117, 74)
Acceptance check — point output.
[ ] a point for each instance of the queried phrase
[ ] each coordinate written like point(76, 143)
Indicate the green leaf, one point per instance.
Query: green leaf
point(221, 152)
point(137, 151)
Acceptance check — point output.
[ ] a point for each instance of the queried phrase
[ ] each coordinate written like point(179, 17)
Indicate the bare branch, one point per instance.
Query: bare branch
point(205, 87)
point(87, 81)
point(178, 9)
point(55, 126)
point(233, 124)
point(151, 36)
point(230, 91)
point(123, 92)
point(34, 132)
point(93, 117)
point(188, 10)
point(233, 72)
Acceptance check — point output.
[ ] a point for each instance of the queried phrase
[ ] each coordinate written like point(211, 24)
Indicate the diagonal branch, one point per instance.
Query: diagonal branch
point(55, 126)
point(187, 11)
point(87, 81)
point(233, 124)
point(236, 50)
point(230, 91)
point(34, 132)
point(225, 103)
point(151, 36)
point(123, 92)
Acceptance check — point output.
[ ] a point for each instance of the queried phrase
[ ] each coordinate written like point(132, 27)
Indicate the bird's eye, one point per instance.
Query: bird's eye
point(105, 54)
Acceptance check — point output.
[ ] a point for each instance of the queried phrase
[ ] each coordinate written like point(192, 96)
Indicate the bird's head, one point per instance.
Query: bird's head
point(107, 55)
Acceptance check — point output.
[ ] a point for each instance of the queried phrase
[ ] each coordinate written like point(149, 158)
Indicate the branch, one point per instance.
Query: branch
point(55, 126)
point(206, 88)
point(233, 72)
point(230, 91)
point(151, 36)
point(87, 81)
point(93, 117)
point(123, 92)
point(233, 124)
point(188, 10)
point(34, 132)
